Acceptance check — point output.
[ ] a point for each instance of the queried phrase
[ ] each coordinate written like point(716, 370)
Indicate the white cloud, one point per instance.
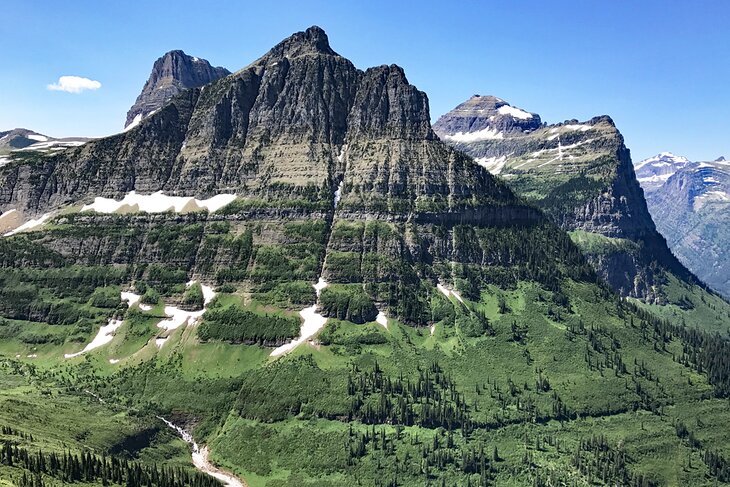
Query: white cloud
point(74, 84)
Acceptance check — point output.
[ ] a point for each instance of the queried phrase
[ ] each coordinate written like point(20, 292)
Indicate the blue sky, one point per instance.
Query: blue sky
point(660, 68)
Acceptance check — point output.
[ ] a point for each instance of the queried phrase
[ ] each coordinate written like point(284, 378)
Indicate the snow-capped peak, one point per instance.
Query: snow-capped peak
point(663, 158)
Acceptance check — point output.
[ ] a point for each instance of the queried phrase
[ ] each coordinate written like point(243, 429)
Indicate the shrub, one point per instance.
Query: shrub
point(237, 324)
point(193, 297)
point(150, 296)
point(349, 303)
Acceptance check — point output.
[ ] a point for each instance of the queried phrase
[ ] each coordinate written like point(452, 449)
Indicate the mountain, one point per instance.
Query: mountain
point(174, 72)
point(654, 171)
point(288, 269)
point(581, 175)
point(691, 209)
point(28, 140)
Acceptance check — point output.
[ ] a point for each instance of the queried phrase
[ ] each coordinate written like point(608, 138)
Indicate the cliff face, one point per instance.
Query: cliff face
point(314, 149)
point(172, 73)
point(580, 174)
point(300, 117)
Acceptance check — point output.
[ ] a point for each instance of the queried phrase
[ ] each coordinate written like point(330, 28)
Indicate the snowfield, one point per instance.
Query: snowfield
point(178, 317)
point(448, 292)
point(484, 134)
point(29, 225)
point(514, 112)
point(492, 164)
point(157, 202)
point(105, 335)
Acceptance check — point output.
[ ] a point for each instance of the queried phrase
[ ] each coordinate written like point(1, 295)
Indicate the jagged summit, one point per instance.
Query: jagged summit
point(171, 73)
point(720, 159)
point(314, 40)
point(300, 117)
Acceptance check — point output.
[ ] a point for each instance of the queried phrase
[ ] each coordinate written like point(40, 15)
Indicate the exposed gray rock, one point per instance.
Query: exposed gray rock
point(692, 210)
point(173, 72)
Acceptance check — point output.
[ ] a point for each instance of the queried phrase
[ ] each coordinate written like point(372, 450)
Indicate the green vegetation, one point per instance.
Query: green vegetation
point(347, 302)
point(536, 374)
point(193, 296)
point(237, 324)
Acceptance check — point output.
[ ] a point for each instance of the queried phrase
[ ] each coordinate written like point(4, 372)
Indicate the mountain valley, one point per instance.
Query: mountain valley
point(289, 271)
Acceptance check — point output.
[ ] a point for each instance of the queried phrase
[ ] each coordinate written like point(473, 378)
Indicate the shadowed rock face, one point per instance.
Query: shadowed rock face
point(171, 74)
point(298, 118)
point(691, 210)
point(580, 174)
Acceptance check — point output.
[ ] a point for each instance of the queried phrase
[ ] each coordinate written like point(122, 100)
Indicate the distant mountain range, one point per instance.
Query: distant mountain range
point(690, 203)
point(581, 175)
point(19, 141)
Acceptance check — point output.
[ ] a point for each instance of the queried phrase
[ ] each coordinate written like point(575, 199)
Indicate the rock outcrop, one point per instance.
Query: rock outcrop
point(172, 73)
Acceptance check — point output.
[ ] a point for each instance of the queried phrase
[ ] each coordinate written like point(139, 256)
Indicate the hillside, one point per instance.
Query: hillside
point(290, 266)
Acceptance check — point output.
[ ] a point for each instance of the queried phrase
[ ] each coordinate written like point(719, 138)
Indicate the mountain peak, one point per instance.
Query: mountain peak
point(171, 73)
point(314, 40)
point(721, 159)
point(487, 115)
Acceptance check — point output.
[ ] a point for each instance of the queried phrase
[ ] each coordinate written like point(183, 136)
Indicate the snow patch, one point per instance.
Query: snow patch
point(30, 224)
point(577, 126)
point(160, 341)
point(341, 155)
point(312, 323)
point(492, 164)
point(381, 319)
point(105, 335)
point(655, 178)
point(36, 137)
point(448, 292)
point(484, 134)
point(158, 203)
point(514, 112)
point(177, 317)
point(338, 193)
point(135, 121)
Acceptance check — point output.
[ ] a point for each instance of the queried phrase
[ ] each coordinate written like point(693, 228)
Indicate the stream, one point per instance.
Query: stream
point(200, 458)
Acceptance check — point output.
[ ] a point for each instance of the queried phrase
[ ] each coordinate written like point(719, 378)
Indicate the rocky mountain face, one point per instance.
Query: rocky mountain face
point(300, 117)
point(172, 73)
point(300, 136)
point(580, 174)
point(692, 210)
